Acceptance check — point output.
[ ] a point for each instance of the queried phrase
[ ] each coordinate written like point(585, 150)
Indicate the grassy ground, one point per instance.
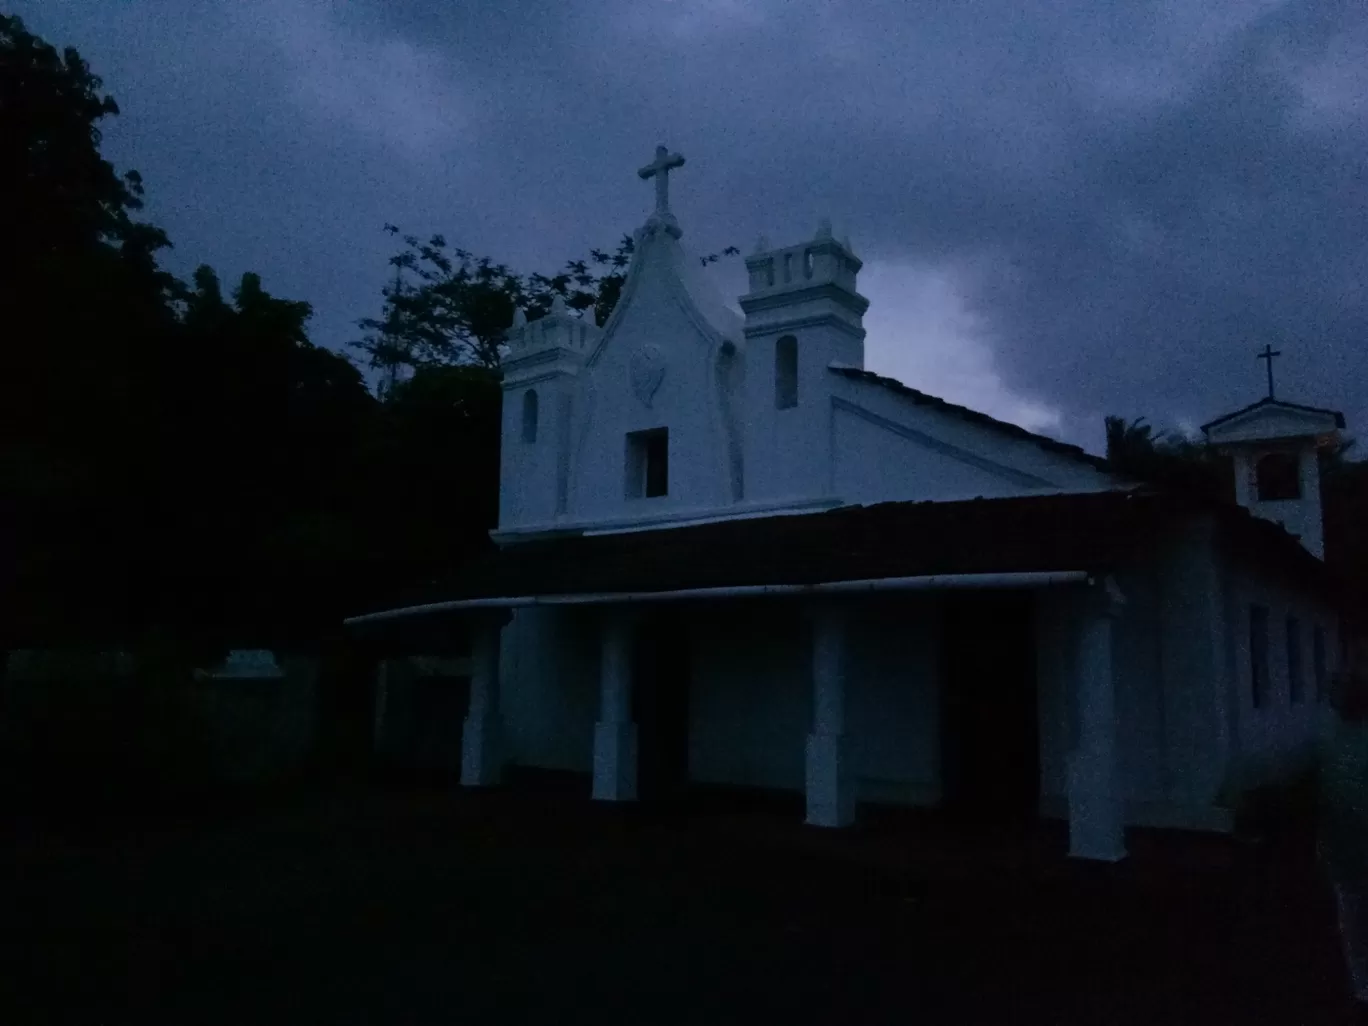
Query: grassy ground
point(534, 906)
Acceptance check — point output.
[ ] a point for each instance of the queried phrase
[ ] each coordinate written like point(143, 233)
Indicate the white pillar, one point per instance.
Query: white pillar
point(481, 749)
point(615, 735)
point(830, 776)
point(1096, 824)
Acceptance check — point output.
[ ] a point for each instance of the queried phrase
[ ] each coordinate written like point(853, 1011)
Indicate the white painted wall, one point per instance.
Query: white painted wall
point(549, 688)
point(893, 701)
point(1170, 759)
point(1192, 635)
point(1278, 738)
point(874, 464)
point(1303, 517)
point(926, 453)
point(656, 317)
point(528, 470)
point(751, 696)
point(1270, 427)
point(1188, 736)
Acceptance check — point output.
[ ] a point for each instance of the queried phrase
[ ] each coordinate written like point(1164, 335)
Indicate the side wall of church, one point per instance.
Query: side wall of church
point(1276, 738)
point(888, 448)
point(549, 688)
point(750, 702)
point(893, 705)
point(1164, 740)
point(875, 465)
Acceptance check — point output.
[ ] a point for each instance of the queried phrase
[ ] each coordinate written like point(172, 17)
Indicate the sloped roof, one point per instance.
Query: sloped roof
point(974, 416)
point(1280, 404)
point(1091, 531)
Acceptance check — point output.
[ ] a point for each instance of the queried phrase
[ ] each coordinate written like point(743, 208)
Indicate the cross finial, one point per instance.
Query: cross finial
point(659, 169)
point(1267, 355)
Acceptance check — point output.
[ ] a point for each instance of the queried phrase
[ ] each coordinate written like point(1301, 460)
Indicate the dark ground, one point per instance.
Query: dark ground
point(532, 905)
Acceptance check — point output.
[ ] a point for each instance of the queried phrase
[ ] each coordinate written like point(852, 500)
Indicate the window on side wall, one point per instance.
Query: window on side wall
point(786, 373)
point(1258, 655)
point(529, 416)
point(1296, 681)
point(648, 464)
point(1318, 668)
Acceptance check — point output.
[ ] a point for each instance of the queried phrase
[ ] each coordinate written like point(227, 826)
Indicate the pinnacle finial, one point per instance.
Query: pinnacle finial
point(762, 245)
point(558, 305)
point(824, 228)
point(845, 241)
point(519, 318)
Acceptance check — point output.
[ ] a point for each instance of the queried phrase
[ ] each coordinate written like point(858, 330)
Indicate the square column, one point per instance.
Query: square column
point(615, 735)
point(481, 747)
point(830, 773)
point(1096, 823)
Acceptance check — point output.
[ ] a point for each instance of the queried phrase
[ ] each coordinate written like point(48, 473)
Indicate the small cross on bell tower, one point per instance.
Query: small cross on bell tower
point(1267, 356)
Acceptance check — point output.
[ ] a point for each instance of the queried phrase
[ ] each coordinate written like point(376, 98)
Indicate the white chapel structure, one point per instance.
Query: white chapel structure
point(728, 554)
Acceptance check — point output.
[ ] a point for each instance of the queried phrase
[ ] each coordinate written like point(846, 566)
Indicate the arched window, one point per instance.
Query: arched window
point(788, 267)
point(1278, 476)
point(807, 263)
point(529, 416)
point(786, 373)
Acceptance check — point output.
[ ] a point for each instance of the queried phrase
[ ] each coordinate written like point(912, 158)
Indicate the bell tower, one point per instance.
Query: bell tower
point(540, 373)
point(1275, 447)
point(803, 314)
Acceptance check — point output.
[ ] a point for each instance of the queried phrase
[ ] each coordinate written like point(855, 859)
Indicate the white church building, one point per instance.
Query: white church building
point(728, 554)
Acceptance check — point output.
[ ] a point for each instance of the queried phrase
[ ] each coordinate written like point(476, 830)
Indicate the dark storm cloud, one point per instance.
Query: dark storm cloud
point(1133, 196)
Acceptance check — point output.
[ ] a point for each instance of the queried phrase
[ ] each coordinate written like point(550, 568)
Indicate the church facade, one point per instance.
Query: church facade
point(728, 554)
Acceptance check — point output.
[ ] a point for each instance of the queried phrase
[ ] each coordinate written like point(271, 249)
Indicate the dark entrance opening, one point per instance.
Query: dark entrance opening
point(989, 726)
point(660, 706)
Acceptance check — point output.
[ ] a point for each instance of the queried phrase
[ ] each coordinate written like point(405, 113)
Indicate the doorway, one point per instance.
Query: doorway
point(660, 706)
point(989, 726)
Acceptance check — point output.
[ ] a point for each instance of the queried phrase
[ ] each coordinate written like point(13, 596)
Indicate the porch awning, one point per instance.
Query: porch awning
point(1051, 537)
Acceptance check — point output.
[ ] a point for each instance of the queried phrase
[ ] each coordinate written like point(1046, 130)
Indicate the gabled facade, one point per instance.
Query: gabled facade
point(681, 409)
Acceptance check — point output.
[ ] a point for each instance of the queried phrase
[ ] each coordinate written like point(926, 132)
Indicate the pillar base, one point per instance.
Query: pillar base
point(615, 762)
point(481, 758)
point(1096, 824)
point(830, 781)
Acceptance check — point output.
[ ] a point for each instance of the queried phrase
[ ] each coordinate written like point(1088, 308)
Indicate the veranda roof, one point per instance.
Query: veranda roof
point(1078, 534)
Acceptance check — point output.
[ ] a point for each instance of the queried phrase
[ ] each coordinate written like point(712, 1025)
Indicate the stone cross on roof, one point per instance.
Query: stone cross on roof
point(659, 169)
point(1267, 355)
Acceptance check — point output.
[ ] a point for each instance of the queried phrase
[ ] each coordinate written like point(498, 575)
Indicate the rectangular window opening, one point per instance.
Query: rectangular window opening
point(648, 464)
point(786, 373)
point(1258, 655)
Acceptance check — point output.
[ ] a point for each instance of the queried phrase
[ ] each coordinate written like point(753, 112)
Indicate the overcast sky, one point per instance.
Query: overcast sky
point(1065, 209)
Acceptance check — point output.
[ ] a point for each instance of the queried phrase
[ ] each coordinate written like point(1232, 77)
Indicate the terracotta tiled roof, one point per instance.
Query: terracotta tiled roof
point(1092, 532)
